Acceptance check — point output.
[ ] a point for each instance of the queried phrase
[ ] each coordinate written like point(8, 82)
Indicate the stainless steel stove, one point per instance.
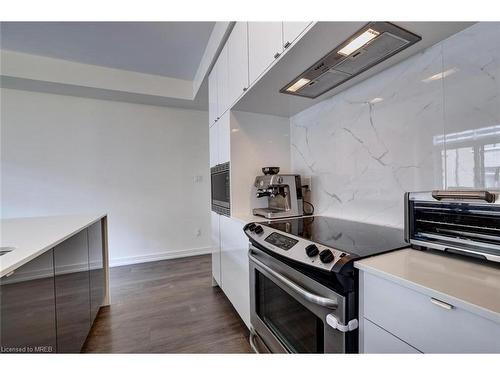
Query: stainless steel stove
point(303, 284)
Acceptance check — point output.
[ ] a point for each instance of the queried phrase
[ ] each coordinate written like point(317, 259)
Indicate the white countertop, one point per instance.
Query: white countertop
point(245, 219)
point(472, 284)
point(31, 236)
point(250, 218)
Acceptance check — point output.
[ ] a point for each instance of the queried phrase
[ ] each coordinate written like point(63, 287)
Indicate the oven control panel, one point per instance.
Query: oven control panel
point(296, 248)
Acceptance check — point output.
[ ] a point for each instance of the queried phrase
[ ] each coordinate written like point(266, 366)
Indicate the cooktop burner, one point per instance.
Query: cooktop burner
point(324, 243)
point(355, 238)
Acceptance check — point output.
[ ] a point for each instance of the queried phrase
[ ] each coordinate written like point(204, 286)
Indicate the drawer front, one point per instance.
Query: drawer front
point(427, 326)
point(378, 341)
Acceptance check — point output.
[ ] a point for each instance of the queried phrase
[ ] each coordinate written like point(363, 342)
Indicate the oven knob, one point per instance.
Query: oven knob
point(326, 256)
point(258, 229)
point(251, 227)
point(312, 250)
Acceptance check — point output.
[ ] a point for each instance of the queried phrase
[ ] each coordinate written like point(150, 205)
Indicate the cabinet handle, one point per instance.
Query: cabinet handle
point(441, 304)
point(287, 44)
point(276, 55)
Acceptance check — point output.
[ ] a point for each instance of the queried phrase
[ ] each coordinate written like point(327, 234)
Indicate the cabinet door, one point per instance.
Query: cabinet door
point(212, 96)
point(71, 260)
point(27, 307)
point(235, 266)
point(237, 60)
point(222, 82)
point(224, 138)
point(215, 235)
point(213, 139)
point(96, 265)
point(291, 31)
point(264, 44)
point(378, 341)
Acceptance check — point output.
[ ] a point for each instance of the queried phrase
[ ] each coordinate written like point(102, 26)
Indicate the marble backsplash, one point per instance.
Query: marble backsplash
point(431, 121)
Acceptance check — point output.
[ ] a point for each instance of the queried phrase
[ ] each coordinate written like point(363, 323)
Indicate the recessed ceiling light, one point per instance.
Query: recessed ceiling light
point(299, 84)
point(441, 75)
point(358, 42)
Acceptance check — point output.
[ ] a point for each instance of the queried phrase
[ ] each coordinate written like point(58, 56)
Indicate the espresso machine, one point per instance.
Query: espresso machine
point(283, 193)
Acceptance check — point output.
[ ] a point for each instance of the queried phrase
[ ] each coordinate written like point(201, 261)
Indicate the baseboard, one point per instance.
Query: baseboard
point(172, 254)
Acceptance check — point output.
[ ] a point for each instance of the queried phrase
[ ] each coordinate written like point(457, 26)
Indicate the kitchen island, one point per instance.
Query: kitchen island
point(54, 279)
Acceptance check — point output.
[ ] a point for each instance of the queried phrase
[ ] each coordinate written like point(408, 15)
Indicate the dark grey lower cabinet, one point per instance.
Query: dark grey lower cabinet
point(49, 304)
point(27, 308)
point(96, 263)
point(72, 290)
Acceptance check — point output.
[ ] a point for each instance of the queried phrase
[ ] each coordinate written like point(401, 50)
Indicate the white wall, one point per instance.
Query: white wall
point(256, 141)
point(406, 129)
point(138, 163)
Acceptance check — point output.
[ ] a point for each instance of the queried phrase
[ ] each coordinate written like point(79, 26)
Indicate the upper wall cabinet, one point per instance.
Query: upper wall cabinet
point(212, 96)
point(224, 135)
point(222, 82)
point(213, 139)
point(265, 44)
point(291, 31)
point(237, 58)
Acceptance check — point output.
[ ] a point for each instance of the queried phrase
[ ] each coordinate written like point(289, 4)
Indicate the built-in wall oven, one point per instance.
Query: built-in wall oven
point(221, 193)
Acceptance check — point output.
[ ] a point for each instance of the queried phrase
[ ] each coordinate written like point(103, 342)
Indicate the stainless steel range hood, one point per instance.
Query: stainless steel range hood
point(374, 43)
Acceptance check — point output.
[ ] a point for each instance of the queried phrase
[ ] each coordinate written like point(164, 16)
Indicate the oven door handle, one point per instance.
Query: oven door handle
point(311, 297)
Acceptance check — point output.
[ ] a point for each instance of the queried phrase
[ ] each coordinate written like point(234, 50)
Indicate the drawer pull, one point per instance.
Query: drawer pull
point(442, 304)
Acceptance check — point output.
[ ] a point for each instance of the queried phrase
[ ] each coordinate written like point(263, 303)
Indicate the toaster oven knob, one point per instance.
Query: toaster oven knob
point(326, 256)
point(312, 250)
point(258, 229)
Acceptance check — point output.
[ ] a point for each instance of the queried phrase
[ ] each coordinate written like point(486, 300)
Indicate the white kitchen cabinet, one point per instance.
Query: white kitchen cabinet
point(235, 266)
point(215, 236)
point(429, 322)
point(212, 96)
point(237, 58)
point(291, 31)
point(224, 135)
point(379, 341)
point(265, 44)
point(213, 139)
point(222, 82)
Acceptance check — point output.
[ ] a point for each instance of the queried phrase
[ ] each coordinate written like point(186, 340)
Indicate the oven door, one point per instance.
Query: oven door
point(220, 181)
point(290, 312)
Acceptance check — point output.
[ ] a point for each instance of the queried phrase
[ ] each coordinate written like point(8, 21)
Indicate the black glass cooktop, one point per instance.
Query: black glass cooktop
point(358, 239)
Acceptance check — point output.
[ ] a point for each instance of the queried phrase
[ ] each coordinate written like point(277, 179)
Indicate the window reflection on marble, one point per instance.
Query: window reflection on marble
point(492, 165)
point(470, 160)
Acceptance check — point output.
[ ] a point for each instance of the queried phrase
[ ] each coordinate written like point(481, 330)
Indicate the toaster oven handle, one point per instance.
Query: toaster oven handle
point(464, 194)
point(308, 296)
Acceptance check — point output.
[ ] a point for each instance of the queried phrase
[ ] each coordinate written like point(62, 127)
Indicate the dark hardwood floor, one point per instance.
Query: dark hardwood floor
point(167, 307)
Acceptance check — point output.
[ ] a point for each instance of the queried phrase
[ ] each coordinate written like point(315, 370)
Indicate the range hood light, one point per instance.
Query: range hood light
point(298, 85)
point(359, 42)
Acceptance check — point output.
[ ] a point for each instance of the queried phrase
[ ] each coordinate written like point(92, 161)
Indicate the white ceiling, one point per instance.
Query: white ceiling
point(172, 49)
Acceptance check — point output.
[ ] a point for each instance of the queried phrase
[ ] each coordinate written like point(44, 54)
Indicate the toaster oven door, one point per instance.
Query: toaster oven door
point(458, 226)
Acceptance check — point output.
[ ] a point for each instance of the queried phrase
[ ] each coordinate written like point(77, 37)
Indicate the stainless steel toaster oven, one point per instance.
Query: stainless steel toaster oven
point(464, 222)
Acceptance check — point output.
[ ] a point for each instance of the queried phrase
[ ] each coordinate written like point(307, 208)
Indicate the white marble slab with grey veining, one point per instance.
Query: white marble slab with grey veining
point(399, 130)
